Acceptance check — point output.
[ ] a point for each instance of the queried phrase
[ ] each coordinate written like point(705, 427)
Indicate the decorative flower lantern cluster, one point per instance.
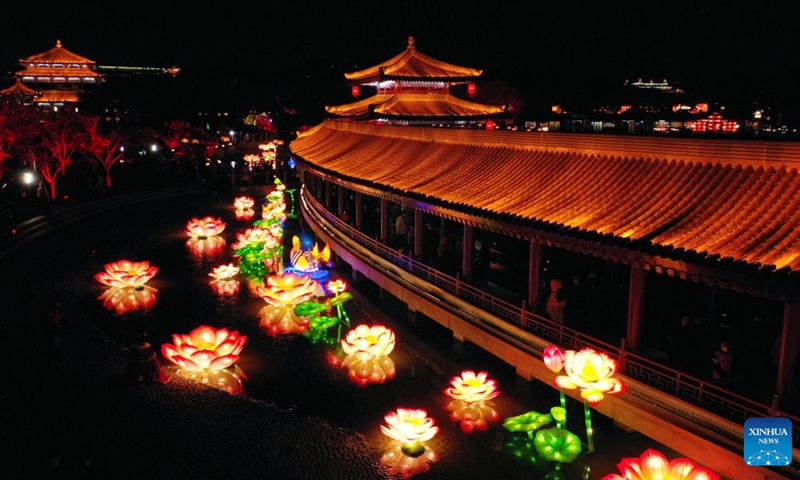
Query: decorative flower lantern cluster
point(223, 281)
point(205, 227)
point(472, 394)
point(205, 353)
point(410, 429)
point(125, 273)
point(259, 251)
point(269, 153)
point(653, 465)
point(282, 293)
point(367, 350)
point(275, 208)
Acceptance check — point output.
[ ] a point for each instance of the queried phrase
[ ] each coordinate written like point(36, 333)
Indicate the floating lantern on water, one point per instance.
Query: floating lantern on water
point(125, 273)
point(307, 259)
point(282, 293)
point(205, 227)
point(128, 299)
point(653, 465)
point(207, 355)
point(367, 349)
point(243, 203)
point(410, 429)
point(472, 394)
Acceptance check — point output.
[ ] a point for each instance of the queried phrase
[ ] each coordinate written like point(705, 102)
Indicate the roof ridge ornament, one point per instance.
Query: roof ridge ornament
point(58, 43)
point(411, 42)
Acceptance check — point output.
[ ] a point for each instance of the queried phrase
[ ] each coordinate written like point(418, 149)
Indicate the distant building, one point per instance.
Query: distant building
point(415, 89)
point(58, 75)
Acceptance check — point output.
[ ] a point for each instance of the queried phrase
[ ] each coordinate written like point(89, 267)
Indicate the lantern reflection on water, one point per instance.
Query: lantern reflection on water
point(128, 299)
point(209, 246)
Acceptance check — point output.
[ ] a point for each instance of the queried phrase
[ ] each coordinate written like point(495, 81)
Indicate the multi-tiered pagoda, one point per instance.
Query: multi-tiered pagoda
point(414, 89)
point(58, 75)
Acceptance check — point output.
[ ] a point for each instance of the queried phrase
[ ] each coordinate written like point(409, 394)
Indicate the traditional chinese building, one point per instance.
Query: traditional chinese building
point(59, 76)
point(413, 88)
point(19, 94)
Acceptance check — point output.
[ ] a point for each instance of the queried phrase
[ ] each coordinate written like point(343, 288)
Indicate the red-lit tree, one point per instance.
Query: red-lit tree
point(105, 149)
point(8, 136)
point(52, 143)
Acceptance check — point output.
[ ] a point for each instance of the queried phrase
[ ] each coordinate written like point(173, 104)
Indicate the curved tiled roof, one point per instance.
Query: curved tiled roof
point(19, 89)
point(725, 200)
point(57, 54)
point(415, 105)
point(412, 64)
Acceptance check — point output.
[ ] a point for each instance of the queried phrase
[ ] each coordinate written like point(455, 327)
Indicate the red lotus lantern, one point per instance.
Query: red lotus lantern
point(471, 89)
point(355, 91)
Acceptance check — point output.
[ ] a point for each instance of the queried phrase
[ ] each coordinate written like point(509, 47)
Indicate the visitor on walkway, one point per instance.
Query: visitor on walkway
point(722, 366)
point(556, 301)
point(42, 197)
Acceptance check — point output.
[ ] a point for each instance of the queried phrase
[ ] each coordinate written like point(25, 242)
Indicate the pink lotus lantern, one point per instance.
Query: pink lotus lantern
point(472, 394)
point(253, 237)
point(206, 247)
point(410, 428)
point(125, 273)
point(205, 227)
point(367, 349)
point(128, 299)
point(243, 203)
point(282, 293)
point(653, 465)
point(205, 349)
point(553, 358)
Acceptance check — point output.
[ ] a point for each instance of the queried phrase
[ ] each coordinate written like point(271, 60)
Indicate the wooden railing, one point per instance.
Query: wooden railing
point(708, 396)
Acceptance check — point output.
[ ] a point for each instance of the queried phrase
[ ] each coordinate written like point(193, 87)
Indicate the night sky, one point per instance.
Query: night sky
point(296, 51)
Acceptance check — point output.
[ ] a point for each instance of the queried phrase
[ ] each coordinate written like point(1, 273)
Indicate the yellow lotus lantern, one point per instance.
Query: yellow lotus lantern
point(472, 394)
point(128, 299)
point(410, 429)
point(282, 293)
point(125, 273)
point(592, 372)
point(205, 227)
point(367, 349)
point(653, 465)
point(243, 203)
point(204, 348)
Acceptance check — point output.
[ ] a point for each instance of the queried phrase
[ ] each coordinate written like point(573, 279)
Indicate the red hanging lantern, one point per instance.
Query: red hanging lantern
point(471, 88)
point(490, 125)
point(355, 91)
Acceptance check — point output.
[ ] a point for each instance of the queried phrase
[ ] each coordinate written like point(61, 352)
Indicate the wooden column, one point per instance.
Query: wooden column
point(340, 202)
point(466, 252)
point(328, 194)
point(534, 273)
point(384, 220)
point(359, 215)
point(417, 234)
point(635, 306)
point(790, 336)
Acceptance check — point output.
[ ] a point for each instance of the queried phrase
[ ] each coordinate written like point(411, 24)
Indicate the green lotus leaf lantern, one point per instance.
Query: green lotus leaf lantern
point(557, 445)
point(527, 422)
